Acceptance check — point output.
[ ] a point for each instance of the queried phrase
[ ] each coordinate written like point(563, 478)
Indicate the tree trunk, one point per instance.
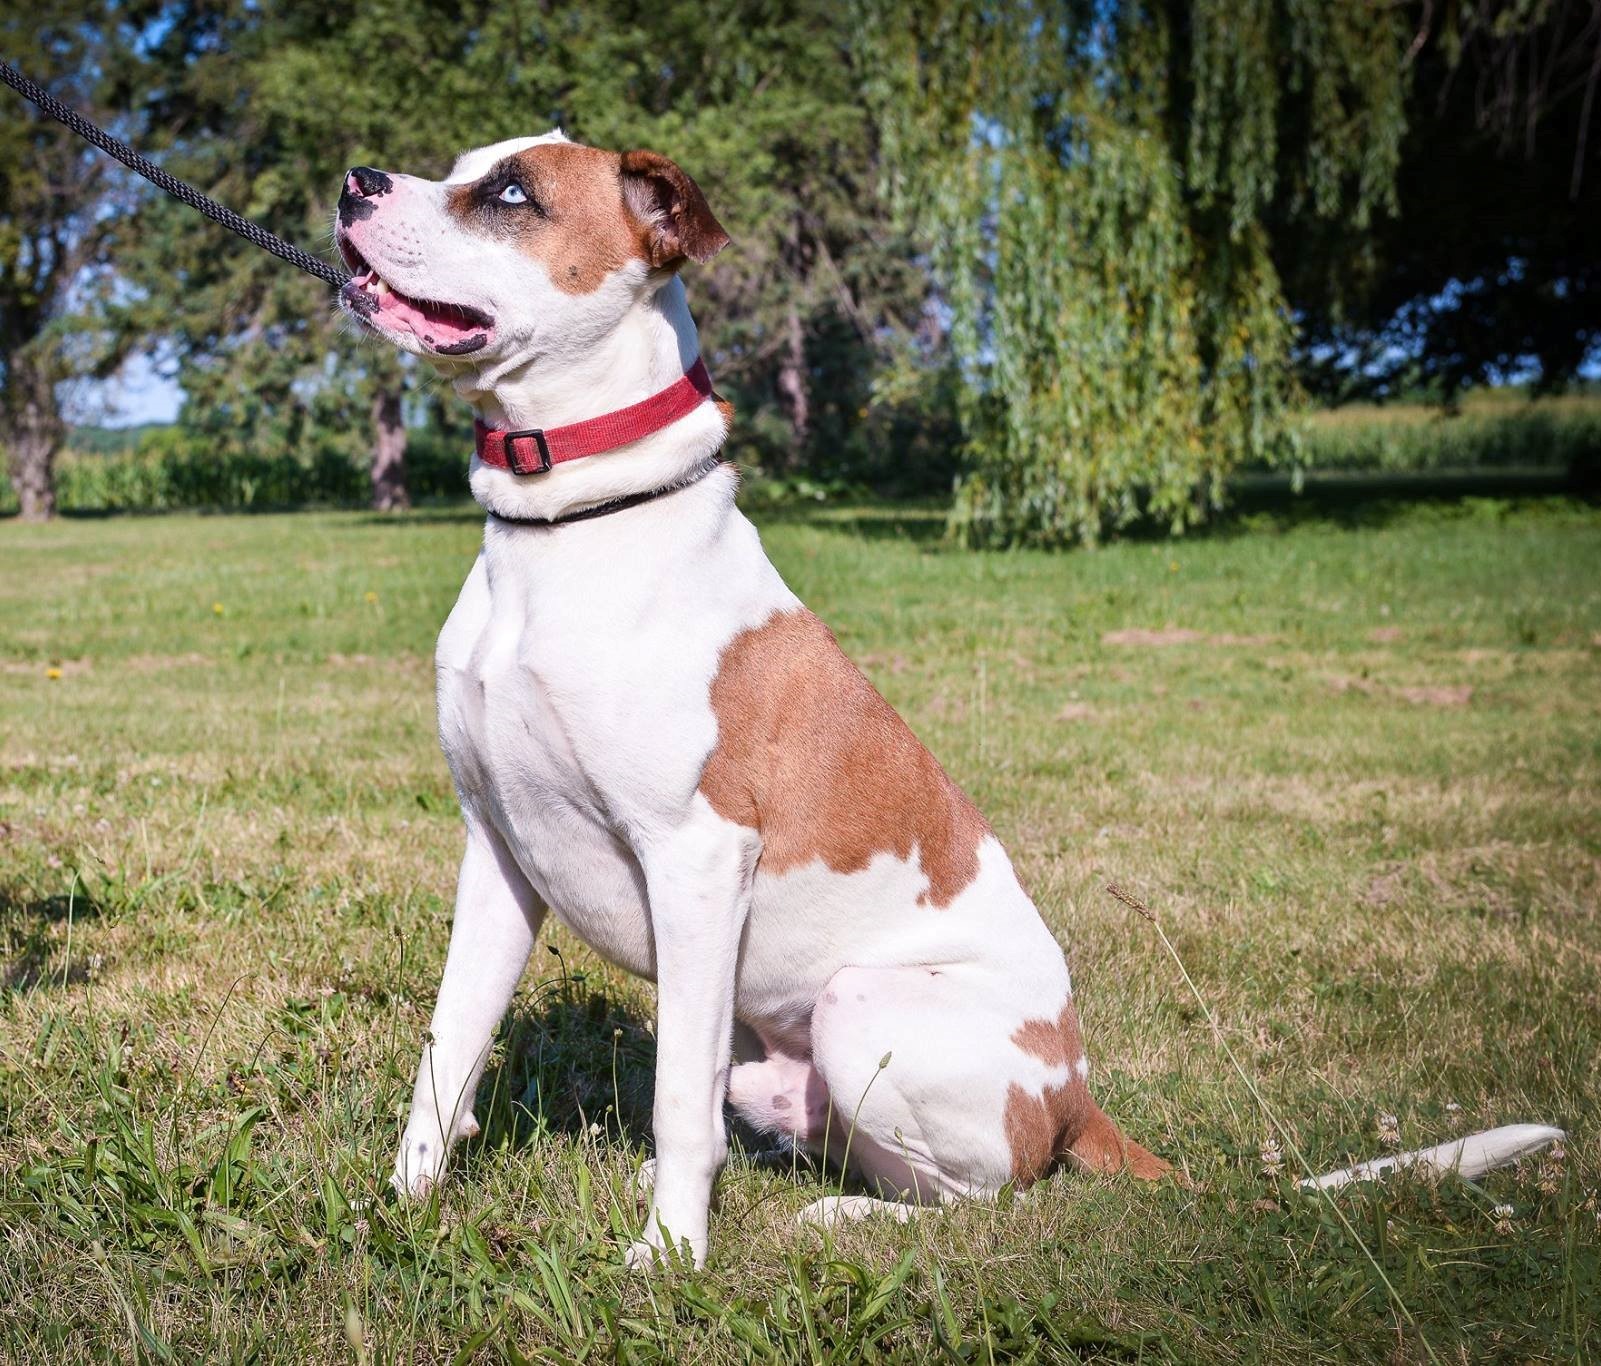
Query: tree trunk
point(35, 436)
point(793, 390)
point(388, 453)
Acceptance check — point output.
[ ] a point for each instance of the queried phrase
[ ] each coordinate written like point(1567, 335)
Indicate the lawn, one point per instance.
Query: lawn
point(1353, 763)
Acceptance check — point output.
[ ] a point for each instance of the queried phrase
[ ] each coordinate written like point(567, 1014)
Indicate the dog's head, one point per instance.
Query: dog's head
point(526, 246)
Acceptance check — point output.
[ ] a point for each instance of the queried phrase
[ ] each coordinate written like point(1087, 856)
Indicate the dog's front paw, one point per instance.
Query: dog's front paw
point(420, 1163)
point(653, 1252)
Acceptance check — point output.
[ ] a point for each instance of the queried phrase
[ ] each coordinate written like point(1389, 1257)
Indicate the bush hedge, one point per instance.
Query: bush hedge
point(173, 468)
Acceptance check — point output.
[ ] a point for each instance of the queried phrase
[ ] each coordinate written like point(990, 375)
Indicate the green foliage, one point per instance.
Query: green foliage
point(1496, 431)
point(759, 103)
point(1489, 267)
point(1092, 187)
point(173, 467)
point(64, 213)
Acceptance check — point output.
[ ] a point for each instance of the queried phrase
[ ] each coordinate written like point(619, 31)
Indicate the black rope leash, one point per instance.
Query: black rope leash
point(253, 233)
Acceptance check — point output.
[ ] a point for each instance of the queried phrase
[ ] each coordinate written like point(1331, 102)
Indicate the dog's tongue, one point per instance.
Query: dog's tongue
point(439, 325)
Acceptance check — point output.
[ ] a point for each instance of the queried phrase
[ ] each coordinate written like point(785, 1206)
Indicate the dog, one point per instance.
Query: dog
point(652, 739)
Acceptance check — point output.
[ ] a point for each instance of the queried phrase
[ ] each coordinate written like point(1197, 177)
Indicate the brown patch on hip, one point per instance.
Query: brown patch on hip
point(1056, 1043)
point(810, 756)
point(1063, 1121)
point(1039, 1129)
point(1102, 1147)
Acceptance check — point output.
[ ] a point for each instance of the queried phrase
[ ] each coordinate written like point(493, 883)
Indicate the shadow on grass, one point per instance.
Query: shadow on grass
point(28, 939)
point(571, 1057)
point(1271, 501)
point(1255, 503)
point(578, 1063)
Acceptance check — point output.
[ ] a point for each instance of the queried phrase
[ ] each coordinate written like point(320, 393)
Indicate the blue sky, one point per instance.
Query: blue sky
point(139, 393)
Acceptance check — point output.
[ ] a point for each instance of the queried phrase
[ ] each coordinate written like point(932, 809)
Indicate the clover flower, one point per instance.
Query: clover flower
point(1272, 1156)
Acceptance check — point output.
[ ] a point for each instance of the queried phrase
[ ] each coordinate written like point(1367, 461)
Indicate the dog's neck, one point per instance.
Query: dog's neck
point(585, 377)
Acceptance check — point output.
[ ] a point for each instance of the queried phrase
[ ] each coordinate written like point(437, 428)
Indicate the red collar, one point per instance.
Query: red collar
point(533, 450)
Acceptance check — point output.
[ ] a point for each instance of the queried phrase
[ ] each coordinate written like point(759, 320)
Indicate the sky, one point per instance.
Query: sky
point(138, 393)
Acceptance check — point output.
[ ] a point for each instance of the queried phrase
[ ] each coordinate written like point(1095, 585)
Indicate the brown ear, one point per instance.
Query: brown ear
point(671, 209)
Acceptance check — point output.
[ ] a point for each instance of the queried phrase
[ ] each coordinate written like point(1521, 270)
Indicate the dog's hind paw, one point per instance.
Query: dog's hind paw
point(846, 1209)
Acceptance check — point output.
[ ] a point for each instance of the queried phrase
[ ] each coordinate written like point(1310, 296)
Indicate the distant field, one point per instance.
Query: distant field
point(1356, 767)
point(1492, 429)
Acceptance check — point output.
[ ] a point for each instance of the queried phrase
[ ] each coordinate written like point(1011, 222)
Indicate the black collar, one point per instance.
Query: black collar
point(632, 500)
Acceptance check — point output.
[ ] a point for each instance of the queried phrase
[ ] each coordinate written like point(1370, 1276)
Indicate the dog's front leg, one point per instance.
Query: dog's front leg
point(699, 882)
point(497, 917)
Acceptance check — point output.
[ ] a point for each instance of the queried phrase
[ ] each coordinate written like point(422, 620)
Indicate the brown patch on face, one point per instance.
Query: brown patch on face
point(577, 224)
point(810, 756)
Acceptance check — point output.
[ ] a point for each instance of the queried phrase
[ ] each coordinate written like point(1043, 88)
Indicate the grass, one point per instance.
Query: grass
point(1354, 764)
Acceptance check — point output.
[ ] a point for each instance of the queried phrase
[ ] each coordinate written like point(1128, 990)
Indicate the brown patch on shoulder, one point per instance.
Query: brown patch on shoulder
point(581, 230)
point(810, 756)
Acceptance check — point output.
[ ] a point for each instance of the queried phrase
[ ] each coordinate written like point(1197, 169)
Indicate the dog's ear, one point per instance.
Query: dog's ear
point(676, 219)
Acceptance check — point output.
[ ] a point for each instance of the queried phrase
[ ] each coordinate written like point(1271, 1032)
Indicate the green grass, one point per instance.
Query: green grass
point(1354, 765)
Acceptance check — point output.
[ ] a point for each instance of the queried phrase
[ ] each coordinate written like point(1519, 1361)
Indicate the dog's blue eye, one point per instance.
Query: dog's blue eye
point(513, 194)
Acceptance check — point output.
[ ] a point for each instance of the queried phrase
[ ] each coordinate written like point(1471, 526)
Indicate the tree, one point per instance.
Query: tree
point(759, 101)
point(1093, 185)
point(762, 101)
point(1492, 263)
point(63, 211)
point(264, 359)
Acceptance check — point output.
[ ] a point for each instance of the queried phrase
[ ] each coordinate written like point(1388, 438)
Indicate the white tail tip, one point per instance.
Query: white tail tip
point(1470, 1156)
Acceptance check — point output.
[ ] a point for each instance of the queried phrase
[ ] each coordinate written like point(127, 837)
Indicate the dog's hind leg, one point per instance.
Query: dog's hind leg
point(955, 1081)
point(497, 917)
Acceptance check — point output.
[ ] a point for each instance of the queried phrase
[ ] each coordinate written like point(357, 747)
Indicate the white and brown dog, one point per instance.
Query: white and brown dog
point(652, 738)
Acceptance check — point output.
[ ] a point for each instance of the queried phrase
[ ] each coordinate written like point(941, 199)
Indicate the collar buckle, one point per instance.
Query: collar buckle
point(526, 462)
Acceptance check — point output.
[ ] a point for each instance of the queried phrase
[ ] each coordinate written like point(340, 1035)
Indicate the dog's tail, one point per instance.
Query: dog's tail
point(1101, 1146)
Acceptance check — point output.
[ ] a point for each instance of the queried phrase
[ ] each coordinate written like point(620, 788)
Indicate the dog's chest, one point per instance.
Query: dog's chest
point(573, 703)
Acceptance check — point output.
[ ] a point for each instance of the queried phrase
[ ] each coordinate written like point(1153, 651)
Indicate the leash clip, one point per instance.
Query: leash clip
point(520, 464)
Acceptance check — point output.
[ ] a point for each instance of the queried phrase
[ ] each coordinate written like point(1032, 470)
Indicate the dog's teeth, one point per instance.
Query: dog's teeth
point(381, 288)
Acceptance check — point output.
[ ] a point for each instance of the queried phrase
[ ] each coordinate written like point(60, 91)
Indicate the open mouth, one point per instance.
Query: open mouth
point(445, 328)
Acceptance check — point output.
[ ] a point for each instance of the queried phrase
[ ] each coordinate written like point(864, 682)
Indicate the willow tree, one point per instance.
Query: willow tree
point(1092, 182)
